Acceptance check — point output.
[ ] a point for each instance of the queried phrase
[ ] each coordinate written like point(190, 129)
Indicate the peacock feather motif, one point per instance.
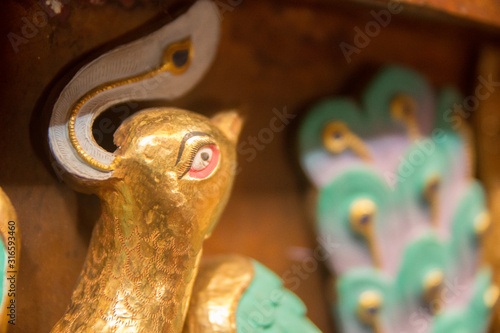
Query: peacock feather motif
point(394, 175)
point(162, 192)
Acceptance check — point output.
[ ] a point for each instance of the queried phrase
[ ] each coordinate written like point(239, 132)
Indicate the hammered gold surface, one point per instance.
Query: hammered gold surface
point(146, 247)
point(220, 283)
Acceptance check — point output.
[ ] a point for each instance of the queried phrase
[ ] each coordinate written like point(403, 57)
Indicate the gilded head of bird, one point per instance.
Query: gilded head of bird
point(176, 162)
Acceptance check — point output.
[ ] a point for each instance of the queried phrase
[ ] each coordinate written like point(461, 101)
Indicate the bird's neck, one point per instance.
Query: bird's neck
point(139, 270)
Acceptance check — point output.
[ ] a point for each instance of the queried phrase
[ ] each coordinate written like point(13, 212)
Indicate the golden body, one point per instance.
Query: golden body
point(146, 247)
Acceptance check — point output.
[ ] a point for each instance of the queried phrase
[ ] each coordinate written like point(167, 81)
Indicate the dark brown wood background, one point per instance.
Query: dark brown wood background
point(272, 55)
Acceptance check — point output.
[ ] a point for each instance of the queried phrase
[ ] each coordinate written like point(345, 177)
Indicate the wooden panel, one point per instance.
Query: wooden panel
point(487, 129)
point(486, 12)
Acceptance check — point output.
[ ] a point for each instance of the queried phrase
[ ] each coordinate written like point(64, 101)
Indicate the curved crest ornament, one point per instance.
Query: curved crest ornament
point(163, 65)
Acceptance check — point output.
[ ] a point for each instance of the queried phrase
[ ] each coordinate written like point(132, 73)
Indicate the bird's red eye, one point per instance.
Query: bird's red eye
point(204, 162)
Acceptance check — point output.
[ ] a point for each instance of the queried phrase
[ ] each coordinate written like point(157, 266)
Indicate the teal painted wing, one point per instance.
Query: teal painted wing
point(396, 193)
point(267, 306)
point(232, 293)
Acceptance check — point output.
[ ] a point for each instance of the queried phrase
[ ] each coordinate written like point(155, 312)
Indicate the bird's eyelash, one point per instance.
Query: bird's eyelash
point(192, 153)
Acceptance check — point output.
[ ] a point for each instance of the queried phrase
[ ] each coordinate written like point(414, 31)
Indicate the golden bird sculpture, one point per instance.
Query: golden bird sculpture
point(162, 191)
